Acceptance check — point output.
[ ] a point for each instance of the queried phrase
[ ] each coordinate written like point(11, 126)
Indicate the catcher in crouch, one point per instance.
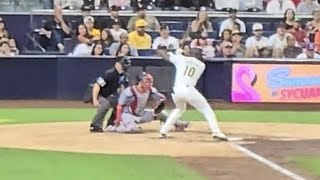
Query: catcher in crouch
point(132, 111)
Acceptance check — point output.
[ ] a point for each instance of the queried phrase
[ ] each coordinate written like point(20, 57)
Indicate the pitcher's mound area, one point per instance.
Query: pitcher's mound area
point(196, 148)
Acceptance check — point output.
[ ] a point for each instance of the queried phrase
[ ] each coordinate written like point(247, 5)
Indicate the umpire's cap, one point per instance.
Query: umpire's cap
point(124, 61)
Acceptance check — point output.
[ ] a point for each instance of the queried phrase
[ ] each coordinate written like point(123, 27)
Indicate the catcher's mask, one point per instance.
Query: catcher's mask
point(146, 80)
point(125, 62)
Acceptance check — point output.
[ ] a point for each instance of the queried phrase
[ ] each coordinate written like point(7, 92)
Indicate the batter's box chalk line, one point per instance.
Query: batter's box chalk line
point(267, 162)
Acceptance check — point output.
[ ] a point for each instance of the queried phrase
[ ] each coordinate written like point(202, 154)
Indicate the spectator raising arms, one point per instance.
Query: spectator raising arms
point(123, 50)
point(229, 23)
point(138, 38)
point(201, 23)
point(123, 40)
point(97, 50)
point(106, 38)
point(289, 18)
point(307, 6)
point(279, 6)
point(165, 39)
point(152, 22)
point(54, 31)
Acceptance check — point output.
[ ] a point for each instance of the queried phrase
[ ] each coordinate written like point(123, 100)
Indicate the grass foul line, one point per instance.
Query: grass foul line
point(267, 162)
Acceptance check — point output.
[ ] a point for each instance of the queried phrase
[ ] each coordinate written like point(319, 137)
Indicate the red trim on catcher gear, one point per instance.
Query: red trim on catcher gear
point(134, 104)
point(118, 114)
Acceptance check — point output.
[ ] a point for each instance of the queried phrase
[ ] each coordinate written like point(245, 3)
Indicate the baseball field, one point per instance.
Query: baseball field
point(51, 140)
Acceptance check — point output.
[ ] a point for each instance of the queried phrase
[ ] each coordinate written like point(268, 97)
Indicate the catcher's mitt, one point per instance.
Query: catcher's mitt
point(160, 107)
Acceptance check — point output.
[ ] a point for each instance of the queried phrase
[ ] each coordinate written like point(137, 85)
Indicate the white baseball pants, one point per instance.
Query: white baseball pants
point(187, 94)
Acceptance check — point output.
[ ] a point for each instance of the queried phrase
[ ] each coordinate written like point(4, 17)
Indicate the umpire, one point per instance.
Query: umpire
point(105, 92)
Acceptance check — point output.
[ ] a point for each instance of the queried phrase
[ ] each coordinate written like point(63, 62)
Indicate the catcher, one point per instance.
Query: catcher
point(132, 111)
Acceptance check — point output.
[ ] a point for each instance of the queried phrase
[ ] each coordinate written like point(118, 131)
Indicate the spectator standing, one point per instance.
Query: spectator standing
point(139, 39)
point(201, 23)
point(165, 39)
point(152, 22)
point(54, 31)
point(239, 49)
point(307, 6)
point(229, 23)
point(114, 17)
point(279, 6)
point(123, 40)
point(106, 38)
point(116, 30)
point(291, 51)
point(309, 53)
point(97, 50)
point(289, 18)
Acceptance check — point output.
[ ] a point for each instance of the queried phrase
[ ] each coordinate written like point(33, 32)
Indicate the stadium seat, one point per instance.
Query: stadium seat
point(68, 45)
point(214, 35)
point(177, 34)
point(146, 52)
point(176, 25)
point(153, 34)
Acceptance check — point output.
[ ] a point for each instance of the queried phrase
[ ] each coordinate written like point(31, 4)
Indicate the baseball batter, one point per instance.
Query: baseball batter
point(132, 111)
point(188, 72)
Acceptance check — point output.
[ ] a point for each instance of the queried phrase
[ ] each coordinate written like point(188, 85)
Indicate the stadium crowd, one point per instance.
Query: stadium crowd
point(143, 35)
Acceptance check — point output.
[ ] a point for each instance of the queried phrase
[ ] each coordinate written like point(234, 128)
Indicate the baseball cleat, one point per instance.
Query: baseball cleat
point(182, 126)
point(220, 137)
point(111, 128)
point(163, 136)
point(95, 129)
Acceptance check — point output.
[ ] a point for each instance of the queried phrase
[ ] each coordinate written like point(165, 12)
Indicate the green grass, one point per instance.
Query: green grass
point(13, 116)
point(17, 164)
point(308, 163)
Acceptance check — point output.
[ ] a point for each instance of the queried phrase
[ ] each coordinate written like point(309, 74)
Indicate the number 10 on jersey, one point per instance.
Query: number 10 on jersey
point(189, 71)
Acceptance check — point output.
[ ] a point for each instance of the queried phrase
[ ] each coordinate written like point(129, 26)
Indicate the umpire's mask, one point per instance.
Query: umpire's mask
point(125, 62)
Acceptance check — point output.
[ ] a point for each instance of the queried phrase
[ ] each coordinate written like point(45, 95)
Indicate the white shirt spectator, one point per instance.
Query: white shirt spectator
point(275, 41)
point(304, 56)
point(82, 50)
point(116, 34)
point(247, 4)
point(275, 7)
point(120, 3)
point(228, 24)
point(221, 4)
point(307, 6)
point(170, 42)
point(253, 41)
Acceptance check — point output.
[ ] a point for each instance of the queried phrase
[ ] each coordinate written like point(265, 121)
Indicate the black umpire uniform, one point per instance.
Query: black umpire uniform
point(109, 83)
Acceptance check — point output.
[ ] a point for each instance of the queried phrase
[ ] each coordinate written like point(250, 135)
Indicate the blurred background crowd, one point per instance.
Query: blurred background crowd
point(143, 34)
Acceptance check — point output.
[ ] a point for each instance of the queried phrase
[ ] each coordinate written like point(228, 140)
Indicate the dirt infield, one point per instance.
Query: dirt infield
point(195, 148)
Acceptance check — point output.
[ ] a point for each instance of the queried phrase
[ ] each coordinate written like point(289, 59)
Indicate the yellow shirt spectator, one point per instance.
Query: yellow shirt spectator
point(139, 39)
